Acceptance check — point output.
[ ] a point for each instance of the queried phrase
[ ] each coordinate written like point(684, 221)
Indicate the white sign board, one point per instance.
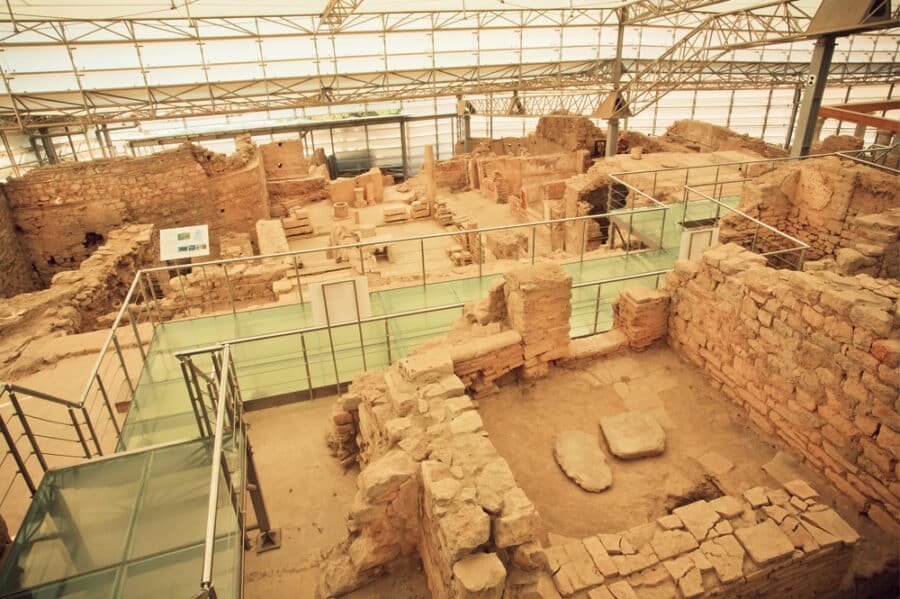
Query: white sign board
point(341, 300)
point(183, 242)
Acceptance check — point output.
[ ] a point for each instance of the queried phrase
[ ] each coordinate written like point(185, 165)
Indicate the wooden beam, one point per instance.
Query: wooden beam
point(870, 106)
point(869, 120)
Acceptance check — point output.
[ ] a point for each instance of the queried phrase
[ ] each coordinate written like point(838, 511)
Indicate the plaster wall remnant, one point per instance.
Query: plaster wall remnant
point(15, 263)
point(62, 211)
point(811, 358)
point(815, 200)
point(81, 299)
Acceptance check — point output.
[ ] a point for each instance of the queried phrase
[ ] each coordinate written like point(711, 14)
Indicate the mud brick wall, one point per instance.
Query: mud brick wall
point(452, 174)
point(16, 274)
point(873, 246)
point(811, 357)
point(815, 201)
point(65, 211)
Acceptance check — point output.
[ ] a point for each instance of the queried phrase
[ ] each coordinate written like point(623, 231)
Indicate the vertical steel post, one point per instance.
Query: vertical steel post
point(533, 242)
point(146, 302)
point(118, 347)
point(108, 403)
point(90, 425)
point(583, 240)
point(362, 343)
point(297, 275)
point(422, 251)
point(337, 377)
point(228, 287)
point(14, 451)
point(387, 340)
point(306, 365)
point(597, 308)
point(137, 336)
point(23, 420)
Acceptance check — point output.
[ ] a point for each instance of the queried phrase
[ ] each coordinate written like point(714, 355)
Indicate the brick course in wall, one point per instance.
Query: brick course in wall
point(811, 357)
point(65, 211)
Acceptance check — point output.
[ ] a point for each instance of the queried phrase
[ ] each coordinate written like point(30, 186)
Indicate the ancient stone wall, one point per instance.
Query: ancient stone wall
point(284, 159)
point(706, 137)
point(77, 300)
point(452, 174)
point(811, 357)
point(15, 264)
point(529, 173)
point(765, 543)
point(814, 201)
point(66, 211)
point(432, 484)
point(554, 134)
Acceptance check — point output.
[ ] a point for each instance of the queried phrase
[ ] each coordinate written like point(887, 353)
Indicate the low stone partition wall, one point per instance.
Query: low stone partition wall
point(767, 543)
point(811, 357)
point(208, 288)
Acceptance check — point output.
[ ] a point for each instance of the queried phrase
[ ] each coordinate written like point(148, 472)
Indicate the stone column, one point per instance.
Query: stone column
point(428, 167)
point(539, 304)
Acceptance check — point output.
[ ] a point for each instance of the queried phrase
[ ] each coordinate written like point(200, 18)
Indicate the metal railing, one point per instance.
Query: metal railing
point(779, 255)
point(883, 158)
point(41, 431)
point(874, 156)
point(233, 471)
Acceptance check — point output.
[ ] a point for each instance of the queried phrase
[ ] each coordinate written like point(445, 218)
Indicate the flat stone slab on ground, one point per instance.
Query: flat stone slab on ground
point(580, 457)
point(633, 435)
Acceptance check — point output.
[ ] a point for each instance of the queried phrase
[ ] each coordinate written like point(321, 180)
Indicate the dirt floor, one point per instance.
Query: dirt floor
point(307, 495)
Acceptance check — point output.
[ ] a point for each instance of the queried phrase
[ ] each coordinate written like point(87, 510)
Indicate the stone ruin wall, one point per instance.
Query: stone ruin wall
point(820, 202)
point(65, 211)
point(15, 264)
point(79, 300)
point(433, 487)
point(706, 137)
point(289, 182)
point(554, 134)
point(812, 358)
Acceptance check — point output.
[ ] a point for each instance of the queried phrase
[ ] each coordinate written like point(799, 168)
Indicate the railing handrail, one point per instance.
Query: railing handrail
point(362, 244)
point(212, 506)
point(800, 244)
point(109, 339)
point(754, 161)
point(5, 387)
point(380, 317)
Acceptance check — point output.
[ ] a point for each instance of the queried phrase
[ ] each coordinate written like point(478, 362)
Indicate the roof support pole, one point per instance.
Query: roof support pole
point(812, 96)
point(612, 131)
